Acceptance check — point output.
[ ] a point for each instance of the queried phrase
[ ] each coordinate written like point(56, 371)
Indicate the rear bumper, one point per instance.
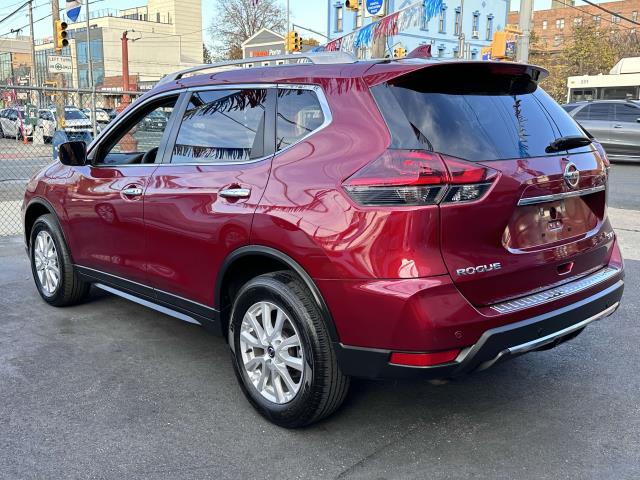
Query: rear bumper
point(494, 345)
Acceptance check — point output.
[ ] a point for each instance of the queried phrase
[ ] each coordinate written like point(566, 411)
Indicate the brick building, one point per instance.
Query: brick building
point(553, 26)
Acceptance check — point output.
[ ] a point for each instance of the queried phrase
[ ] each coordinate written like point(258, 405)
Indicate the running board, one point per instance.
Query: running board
point(146, 303)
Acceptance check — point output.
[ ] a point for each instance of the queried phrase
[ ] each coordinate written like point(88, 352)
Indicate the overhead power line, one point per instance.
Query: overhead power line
point(15, 11)
point(622, 17)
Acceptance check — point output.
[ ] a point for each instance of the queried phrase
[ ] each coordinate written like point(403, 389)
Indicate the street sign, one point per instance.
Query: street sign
point(59, 64)
point(374, 7)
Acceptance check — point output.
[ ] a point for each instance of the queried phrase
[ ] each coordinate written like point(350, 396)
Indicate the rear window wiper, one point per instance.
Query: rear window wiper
point(567, 143)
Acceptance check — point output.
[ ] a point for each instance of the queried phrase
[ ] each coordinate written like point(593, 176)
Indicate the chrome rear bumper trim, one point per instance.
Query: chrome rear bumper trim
point(559, 196)
point(557, 292)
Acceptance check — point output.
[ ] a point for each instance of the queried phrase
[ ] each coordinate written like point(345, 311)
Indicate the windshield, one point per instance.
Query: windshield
point(475, 121)
point(73, 114)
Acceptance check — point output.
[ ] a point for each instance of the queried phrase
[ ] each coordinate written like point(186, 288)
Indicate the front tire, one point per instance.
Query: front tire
point(53, 272)
point(282, 352)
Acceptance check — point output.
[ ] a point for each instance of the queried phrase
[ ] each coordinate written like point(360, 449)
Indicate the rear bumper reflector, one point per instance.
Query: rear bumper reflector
point(423, 359)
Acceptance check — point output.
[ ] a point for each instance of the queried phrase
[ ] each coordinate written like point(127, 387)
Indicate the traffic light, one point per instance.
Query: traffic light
point(399, 52)
point(60, 35)
point(352, 4)
point(294, 42)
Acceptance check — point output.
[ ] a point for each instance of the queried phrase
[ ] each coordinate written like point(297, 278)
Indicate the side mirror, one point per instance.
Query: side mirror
point(73, 153)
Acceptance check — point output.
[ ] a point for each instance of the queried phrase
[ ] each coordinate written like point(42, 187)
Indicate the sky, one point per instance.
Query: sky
point(308, 13)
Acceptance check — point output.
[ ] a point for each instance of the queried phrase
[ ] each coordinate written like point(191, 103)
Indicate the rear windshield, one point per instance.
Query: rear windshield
point(74, 115)
point(476, 117)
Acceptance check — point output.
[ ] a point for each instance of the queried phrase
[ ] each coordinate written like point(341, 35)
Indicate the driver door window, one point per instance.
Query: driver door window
point(141, 136)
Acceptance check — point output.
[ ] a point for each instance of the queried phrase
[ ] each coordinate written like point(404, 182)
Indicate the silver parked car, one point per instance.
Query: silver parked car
point(614, 123)
point(12, 123)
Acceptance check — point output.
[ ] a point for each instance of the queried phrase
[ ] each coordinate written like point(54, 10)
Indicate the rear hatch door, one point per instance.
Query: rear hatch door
point(543, 221)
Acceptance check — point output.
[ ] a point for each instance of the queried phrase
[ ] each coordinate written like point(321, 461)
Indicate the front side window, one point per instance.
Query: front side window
point(222, 126)
point(140, 138)
point(627, 113)
point(299, 114)
point(596, 111)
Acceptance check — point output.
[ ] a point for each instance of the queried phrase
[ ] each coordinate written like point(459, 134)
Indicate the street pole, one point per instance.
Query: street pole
point(55, 15)
point(286, 47)
point(461, 31)
point(125, 70)
point(526, 12)
point(92, 85)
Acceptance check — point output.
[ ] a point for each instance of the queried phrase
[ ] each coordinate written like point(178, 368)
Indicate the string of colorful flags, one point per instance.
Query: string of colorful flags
point(404, 19)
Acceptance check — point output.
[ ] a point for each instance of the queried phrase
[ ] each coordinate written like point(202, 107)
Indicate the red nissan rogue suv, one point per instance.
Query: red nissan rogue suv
point(335, 218)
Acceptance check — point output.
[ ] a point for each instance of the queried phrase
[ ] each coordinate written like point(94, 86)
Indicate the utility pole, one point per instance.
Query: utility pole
point(55, 16)
point(526, 12)
point(461, 31)
point(34, 77)
point(91, 83)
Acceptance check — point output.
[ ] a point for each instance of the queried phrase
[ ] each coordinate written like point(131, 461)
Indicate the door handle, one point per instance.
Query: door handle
point(132, 191)
point(235, 193)
point(617, 125)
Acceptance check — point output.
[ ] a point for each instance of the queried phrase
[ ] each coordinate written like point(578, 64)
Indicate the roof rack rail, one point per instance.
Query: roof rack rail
point(308, 57)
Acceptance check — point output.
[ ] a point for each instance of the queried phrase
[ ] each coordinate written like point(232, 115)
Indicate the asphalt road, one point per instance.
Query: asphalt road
point(112, 390)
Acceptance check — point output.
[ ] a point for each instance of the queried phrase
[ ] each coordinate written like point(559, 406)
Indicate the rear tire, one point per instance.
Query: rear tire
point(53, 271)
point(302, 382)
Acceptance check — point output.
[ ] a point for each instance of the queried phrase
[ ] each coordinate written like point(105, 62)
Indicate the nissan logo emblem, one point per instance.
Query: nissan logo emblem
point(571, 175)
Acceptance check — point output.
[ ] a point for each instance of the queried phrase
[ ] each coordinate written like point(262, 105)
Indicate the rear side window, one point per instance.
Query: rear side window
point(299, 114)
point(627, 113)
point(492, 117)
point(222, 126)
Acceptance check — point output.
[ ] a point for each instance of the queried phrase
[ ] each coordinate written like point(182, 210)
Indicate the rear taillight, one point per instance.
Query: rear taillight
point(600, 149)
point(415, 178)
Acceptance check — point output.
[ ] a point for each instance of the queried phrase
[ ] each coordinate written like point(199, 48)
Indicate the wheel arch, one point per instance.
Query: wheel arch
point(37, 207)
point(235, 267)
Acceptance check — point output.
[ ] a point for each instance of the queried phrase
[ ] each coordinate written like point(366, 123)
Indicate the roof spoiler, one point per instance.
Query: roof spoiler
point(453, 69)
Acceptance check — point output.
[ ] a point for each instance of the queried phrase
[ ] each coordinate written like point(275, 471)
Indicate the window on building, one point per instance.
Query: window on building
point(560, 23)
point(557, 40)
point(457, 26)
point(424, 24)
point(299, 114)
point(615, 18)
point(339, 18)
point(544, 24)
point(475, 25)
point(441, 51)
point(596, 20)
point(222, 126)
point(577, 21)
point(489, 34)
point(358, 19)
point(442, 21)
point(474, 54)
point(634, 15)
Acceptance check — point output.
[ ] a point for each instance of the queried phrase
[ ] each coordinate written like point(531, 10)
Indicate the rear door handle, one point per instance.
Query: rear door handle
point(132, 191)
point(235, 193)
point(617, 125)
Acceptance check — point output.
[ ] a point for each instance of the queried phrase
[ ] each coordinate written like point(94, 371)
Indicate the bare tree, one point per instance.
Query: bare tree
point(237, 20)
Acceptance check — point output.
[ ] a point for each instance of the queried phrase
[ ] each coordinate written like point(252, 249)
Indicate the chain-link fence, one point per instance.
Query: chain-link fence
point(32, 122)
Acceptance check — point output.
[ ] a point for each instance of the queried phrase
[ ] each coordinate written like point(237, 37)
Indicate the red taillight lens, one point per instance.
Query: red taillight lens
point(601, 152)
point(411, 177)
point(423, 359)
point(399, 177)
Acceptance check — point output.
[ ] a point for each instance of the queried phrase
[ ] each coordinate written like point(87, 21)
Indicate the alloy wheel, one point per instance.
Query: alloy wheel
point(272, 352)
point(45, 257)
